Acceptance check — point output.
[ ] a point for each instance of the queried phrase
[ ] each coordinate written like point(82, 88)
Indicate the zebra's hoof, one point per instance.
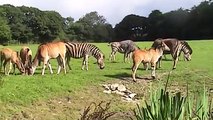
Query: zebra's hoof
point(173, 68)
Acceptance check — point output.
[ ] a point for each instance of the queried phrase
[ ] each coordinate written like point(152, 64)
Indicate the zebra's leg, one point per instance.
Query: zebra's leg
point(175, 63)
point(61, 62)
point(153, 65)
point(128, 57)
point(85, 62)
point(68, 62)
point(112, 56)
point(125, 56)
point(134, 69)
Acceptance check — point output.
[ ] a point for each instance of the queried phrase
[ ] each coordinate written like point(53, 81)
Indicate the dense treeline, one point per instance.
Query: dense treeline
point(27, 24)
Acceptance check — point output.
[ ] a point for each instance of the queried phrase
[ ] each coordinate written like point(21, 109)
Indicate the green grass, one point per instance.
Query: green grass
point(18, 90)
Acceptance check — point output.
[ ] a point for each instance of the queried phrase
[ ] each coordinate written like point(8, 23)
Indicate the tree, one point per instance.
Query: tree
point(131, 27)
point(95, 27)
point(5, 33)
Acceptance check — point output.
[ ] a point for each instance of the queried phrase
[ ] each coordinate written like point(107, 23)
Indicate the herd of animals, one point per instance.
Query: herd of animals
point(63, 51)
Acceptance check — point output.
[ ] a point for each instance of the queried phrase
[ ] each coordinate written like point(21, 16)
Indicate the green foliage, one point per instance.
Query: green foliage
point(5, 33)
point(164, 106)
point(27, 24)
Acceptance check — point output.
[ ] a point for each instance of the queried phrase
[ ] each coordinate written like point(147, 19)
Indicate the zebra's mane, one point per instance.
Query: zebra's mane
point(187, 45)
point(97, 52)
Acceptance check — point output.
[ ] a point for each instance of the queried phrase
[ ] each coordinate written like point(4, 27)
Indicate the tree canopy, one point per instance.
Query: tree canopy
point(28, 24)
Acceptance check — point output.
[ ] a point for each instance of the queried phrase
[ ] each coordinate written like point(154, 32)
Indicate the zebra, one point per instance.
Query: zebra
point(175, 47)
point(84, 50)
point(125, 47)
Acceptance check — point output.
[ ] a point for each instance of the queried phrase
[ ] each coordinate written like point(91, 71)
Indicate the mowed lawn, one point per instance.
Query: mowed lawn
point(22, 93)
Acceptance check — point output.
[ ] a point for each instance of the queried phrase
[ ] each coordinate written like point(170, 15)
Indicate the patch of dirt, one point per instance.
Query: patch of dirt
point(71, 105)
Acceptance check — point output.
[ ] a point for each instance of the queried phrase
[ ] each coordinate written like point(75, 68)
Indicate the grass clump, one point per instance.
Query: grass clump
point(97, 112)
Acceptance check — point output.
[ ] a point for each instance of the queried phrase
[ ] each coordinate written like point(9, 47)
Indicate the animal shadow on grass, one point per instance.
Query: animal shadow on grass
point(127, 77)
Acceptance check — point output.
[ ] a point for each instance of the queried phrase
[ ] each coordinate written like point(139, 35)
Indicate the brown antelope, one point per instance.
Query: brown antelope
point(49, 51)
point(147, 56)
point(26, 59)
point(11, 56)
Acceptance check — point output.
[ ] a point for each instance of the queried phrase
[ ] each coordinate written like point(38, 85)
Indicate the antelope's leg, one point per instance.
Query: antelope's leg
point(146, 66)
point(64, 64)
point(4, 65)
point(14, 68)
point(50, 67)
point(134, 69)
point(159, 62)
point(44, 66)
point(153, 65)
point(59, 65)
point(1, 62)
point(10, 67)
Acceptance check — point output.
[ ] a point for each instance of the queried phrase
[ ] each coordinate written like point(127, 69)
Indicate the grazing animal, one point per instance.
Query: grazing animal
point(84, 50)
point(49, 51)
point(26, 59)
point(125, 47)
point(147, 56)
point(174, 47)
point(11, 56)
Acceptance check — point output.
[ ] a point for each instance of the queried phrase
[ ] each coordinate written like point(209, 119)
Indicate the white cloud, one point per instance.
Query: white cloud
point(113, 10)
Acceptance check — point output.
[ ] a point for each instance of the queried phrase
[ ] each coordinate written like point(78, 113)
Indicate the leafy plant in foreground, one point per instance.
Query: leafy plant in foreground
point(164, 106)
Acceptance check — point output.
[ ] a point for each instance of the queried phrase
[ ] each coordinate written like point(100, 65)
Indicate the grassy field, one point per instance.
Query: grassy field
point(65, 96)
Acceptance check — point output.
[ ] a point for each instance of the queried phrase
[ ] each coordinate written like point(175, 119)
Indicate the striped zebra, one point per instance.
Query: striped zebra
point(125, 47)
point(175, 47)
point(84, 50)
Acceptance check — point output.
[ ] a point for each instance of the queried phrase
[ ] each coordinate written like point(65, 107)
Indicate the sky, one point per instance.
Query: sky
point(113, 10)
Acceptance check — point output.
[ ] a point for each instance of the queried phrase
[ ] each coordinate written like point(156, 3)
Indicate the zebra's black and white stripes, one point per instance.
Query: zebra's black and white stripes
point(84, 50)
point(125, 47)
point(175, 47)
